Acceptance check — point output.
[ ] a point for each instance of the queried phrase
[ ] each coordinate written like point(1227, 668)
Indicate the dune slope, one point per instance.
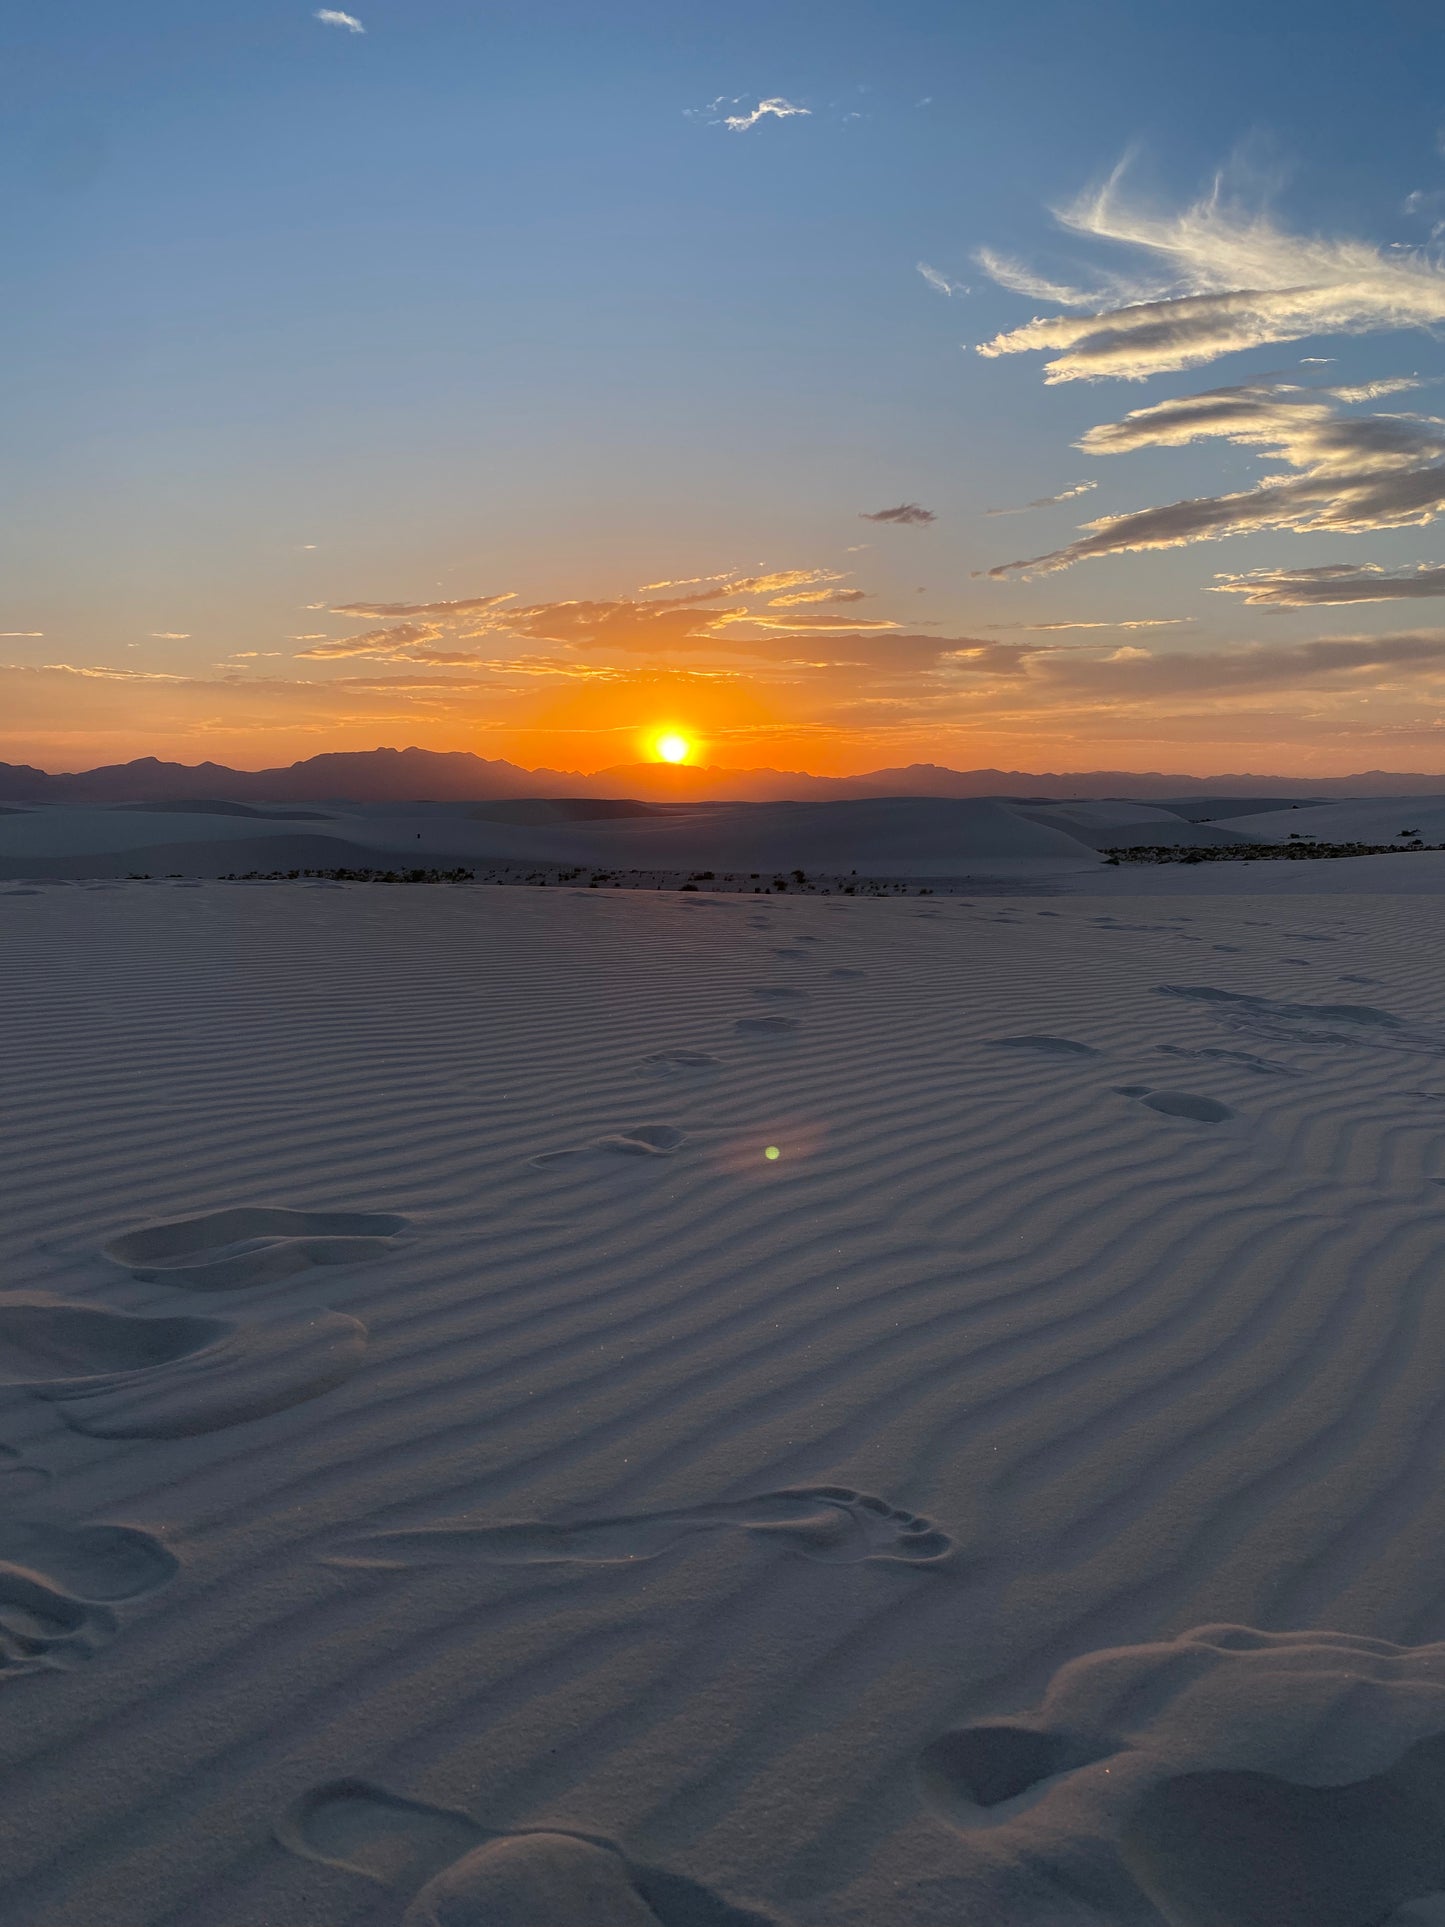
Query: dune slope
point(696, 1535)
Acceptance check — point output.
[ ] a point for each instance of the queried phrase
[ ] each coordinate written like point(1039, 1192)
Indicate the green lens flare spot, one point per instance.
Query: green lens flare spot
point(772, 1153)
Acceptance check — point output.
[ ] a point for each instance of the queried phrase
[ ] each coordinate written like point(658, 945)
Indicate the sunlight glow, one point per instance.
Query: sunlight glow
point(673, 749)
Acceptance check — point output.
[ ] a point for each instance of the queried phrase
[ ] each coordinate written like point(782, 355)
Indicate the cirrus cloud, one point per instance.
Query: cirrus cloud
point(1047, 501)
point(1224, 277)
point(1346, 474)
point(1334, 583)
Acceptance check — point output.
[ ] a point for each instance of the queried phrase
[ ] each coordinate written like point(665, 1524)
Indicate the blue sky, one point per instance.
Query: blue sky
point(485, 301)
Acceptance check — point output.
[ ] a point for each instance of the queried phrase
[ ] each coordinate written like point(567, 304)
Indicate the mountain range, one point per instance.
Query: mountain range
point(457, 776)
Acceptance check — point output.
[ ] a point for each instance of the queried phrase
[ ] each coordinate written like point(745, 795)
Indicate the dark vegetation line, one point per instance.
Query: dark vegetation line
point(1299, 849)
point(754, 883)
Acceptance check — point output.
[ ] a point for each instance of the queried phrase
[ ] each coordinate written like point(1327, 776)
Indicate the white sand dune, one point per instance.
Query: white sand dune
point(1367, 820)
point(890, 837)
point(1017, 1500)
point(903, 836)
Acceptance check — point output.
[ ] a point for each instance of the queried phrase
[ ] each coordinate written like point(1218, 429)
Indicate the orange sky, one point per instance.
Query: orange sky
point(794, 668)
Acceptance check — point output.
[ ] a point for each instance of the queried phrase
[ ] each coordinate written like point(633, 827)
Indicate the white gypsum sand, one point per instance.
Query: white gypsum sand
point(687, 1535)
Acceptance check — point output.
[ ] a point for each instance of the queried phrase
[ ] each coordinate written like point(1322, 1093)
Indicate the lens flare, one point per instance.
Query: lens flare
point(673, 748)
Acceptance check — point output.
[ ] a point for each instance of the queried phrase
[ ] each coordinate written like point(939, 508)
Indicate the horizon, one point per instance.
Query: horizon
point(527, 385)
point(676, 768)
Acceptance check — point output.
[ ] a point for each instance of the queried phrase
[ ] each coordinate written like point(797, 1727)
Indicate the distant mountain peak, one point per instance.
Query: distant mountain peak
point(414, 775)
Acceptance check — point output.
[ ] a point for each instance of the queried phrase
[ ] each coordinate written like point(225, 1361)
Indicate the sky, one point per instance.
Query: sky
point(837, 386)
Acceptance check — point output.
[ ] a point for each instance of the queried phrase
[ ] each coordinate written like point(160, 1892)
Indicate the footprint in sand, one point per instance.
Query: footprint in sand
point(796, 956)
point(1361, 1025)
point(252, 1245)
point(780, 993)
point(1258, 1779)
point(831, 1523)
point(1199, 1110)
point(767, 1026)
point(1046, 1046)
point(844, 973)
point(680, 1063)
point(466, 1875)
point(18, 1474)
point(642, 1141)
point(116, 1375)
point(56, 1586)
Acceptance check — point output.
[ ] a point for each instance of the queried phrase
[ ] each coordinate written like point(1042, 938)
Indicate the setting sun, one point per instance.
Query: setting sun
point(673, 748)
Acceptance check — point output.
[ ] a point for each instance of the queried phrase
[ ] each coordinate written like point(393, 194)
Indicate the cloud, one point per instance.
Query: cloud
point(329, 17)
point(170, 635)
point(468, 605)
point(936, 279)
point(1047, 501)
point(394, 644)
point(687, 582)
point(700, 619)
point(1375, 390)
point(1320, 663)
point(1137, 622)
point(22, 635)
point(847, 624)
point(1018, 279)
point(1334, 583)
point(775, 108)
point(817, 595)
point(1226, 277)
point(767, 584)
point(1345, 474)
point(99, 673)
point(906, 515)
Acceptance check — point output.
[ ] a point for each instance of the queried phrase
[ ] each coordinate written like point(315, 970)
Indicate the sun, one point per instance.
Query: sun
point(673, 748)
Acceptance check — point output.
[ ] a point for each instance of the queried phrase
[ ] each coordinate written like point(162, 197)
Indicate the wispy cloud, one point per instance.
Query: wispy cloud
point(1334, 583)
point(942, 282)
point(396, 643)
point(1047, 501)
point(700, 619)
point(1137, 622)
point(775, 108)
point(1225, 277)
point(101, 673)
point(1344, 473)
point(686, 582)
point(905, 515)
point(23, 635)
point(1216, 673)
point(170, 635)
point(330, 17)
point(768, 584)
point(1019, 279)
point(465, 606)
point(817, 595)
